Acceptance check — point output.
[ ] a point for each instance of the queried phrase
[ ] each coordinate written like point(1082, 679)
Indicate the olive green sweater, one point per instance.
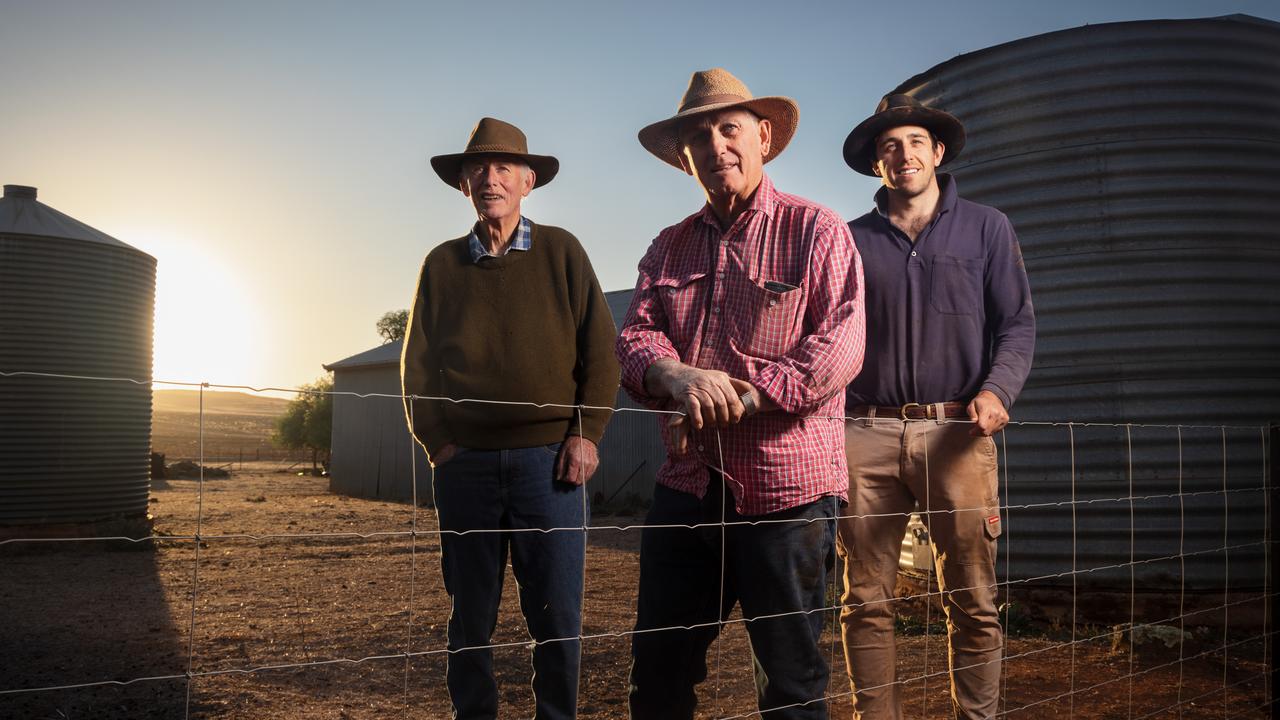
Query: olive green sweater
point(530, 326)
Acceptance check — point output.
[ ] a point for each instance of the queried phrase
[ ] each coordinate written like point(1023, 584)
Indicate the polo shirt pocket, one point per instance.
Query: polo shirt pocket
point(955, 285)
point(683, 299)
point(769, 325)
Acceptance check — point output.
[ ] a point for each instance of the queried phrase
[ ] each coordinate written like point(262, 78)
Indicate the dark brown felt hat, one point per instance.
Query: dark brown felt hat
point(713, 90)
point(494, 137)
point(894, 111)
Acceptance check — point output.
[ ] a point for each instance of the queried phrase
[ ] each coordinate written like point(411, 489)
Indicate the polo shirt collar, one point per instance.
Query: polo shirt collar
point(946, 198)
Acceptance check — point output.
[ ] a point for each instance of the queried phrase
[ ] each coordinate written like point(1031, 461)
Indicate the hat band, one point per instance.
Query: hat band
point(491, 148)
point(713, 100)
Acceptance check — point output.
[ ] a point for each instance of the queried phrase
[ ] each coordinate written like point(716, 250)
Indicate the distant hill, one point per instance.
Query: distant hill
point(235, 425)
point(216, 403)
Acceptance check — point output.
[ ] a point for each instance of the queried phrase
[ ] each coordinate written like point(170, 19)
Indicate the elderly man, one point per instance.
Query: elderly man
point(510, 315)
point(952, 341)
point(747, 318)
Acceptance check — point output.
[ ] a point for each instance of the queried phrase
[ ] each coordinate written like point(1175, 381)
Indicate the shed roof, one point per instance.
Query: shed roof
point(383, 355)
point(619, 301)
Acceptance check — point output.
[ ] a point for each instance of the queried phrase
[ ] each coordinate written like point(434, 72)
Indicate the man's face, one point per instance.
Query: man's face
point(905, 159)
point(725, 152)
point(496, 184)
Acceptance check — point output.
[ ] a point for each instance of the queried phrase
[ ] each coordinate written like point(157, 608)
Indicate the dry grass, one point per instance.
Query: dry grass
point(236, 426)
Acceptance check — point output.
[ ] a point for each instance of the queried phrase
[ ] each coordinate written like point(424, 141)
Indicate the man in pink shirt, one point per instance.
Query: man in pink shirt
point(747, 319)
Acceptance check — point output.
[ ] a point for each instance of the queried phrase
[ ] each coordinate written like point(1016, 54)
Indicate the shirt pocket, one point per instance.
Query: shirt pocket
point(769, 324)
point(683, 299)
point(955, 285)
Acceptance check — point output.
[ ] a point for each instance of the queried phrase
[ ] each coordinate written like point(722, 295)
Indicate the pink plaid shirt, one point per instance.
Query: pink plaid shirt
point(721, 300)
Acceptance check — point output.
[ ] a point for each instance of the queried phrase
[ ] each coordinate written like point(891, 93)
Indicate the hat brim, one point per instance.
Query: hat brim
point(859, 146)
point(783, 115)
point(449, 167)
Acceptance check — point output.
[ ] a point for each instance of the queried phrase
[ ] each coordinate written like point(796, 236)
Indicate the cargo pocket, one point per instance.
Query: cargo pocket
point(991, 521)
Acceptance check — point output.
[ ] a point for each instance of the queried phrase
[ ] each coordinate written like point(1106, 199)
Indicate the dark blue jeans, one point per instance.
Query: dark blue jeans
point(511, 490)
point(770, 568)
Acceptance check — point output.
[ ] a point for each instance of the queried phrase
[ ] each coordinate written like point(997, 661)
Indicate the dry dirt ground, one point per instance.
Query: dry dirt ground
point(318, 627)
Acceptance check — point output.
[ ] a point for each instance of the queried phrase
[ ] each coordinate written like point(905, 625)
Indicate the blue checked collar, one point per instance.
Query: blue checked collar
point(522, 241)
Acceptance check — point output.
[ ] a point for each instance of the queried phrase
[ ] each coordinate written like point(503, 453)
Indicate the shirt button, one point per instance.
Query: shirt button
point(715, 310)
point(719, 276)
point(700, 448)
point(724, 243)
point(913, 253)
point(772, 303)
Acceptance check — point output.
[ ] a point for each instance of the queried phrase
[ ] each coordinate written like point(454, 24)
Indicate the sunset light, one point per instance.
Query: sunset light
point(206, 329)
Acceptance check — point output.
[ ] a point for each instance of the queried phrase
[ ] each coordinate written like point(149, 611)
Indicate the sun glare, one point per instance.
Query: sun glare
point(204, 322)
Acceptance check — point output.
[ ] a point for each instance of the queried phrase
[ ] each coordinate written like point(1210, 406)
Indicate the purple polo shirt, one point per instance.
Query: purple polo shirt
point(948, 315)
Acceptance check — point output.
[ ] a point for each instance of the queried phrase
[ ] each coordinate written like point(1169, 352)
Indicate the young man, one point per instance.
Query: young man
point(951, 339)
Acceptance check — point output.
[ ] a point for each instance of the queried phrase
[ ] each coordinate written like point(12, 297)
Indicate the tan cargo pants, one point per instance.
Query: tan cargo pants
point(892, 465)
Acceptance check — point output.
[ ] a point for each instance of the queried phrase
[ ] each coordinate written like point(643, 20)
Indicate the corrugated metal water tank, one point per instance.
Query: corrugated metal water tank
point(73, 301)
point(1140, 165)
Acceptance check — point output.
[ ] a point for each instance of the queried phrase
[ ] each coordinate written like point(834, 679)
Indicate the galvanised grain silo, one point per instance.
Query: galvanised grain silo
point(73, 301)
point(1140, 165)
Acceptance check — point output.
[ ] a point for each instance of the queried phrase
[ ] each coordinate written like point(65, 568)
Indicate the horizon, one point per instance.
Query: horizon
point(274, 159)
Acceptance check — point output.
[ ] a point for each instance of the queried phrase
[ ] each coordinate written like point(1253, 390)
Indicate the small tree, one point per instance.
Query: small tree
point(392, 324)
point(307, 422)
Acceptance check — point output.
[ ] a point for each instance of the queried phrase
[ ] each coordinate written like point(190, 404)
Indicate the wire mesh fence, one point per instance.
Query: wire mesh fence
point(1134, 580)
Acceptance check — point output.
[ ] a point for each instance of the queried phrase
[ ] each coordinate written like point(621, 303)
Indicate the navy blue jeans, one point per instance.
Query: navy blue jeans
point(770, 568)
point(511, 490)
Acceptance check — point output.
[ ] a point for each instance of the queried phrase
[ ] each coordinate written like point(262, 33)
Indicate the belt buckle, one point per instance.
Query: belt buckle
point(902, 411)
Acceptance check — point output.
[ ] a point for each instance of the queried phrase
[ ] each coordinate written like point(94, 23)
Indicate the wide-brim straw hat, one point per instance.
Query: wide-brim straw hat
point(495, 137)
point(896, 110)
point(717, 89)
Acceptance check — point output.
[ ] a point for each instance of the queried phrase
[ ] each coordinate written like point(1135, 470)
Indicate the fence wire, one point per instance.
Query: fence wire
point(1007, 586)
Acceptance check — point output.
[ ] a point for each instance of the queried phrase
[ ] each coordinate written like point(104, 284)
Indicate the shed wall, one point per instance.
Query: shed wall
point(374, 455)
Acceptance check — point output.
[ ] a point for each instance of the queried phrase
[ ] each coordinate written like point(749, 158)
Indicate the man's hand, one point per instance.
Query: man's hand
point(578, 460)
point(757, 401)
point(444, 455)
point(707, 397)
point(987, 413)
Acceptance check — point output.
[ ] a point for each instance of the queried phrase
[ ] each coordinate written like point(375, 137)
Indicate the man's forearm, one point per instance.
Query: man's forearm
point(657, 376)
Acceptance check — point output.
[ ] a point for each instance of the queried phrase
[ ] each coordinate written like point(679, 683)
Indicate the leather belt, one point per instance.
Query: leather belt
point(912, 411)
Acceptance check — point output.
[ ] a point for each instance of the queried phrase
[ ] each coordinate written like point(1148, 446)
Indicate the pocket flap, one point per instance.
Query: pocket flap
point(677, 282)
point(991, 523)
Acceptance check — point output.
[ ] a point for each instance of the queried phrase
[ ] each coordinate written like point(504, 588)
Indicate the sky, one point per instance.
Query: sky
point(274, 156)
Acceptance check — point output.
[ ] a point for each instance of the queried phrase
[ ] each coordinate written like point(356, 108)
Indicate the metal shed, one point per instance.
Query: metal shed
point(632, 450)
point(1140, 164)
point(74, 301)
point(373, 453)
